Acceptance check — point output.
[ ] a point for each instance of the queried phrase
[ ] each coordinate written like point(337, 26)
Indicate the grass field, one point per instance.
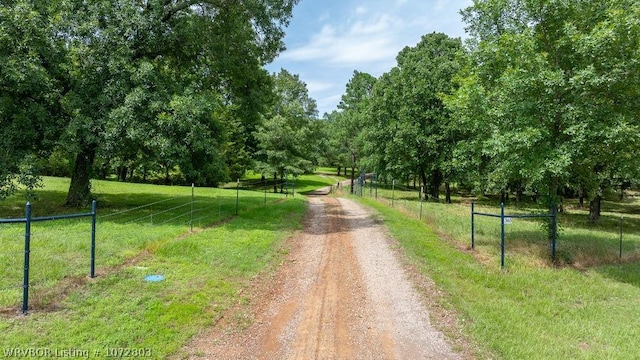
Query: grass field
point(581, 244)
point(205, 269)
point(588, 308)
point(299, 185)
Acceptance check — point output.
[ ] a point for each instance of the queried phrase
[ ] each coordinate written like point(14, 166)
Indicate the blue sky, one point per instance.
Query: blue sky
point(328, 39)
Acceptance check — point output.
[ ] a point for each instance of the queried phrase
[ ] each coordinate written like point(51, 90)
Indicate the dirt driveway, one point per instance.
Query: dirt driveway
point(341, 294)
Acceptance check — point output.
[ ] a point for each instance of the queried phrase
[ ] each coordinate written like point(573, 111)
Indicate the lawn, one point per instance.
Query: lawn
point(204, 269)
point(587, 307)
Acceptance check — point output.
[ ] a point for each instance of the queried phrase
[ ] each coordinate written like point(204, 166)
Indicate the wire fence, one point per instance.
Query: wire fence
point(57, 256)
point(11, 257)
point(27, 278)
point(614, 239)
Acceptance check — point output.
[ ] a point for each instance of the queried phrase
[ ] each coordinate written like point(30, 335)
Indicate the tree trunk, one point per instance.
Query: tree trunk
point(353, 169)
point(552, 200)
point(80, 187)
point(423, 176)
point(104, 170)
point(275, 182)
point(594, 208)
point(582, 196)
point(281, 183)
point(339, 168)
point(447, 187)
point(436, 181)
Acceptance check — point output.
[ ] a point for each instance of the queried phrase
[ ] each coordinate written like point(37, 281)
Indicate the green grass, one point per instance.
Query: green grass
point(302, 184)
point(205, 270)
point(530, 310)
point(581, 244)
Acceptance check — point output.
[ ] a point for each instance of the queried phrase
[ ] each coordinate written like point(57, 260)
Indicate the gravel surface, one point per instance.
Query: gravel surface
point(340, 294)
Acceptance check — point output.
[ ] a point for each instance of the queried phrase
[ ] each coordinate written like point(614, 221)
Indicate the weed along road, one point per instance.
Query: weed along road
point(340, 294)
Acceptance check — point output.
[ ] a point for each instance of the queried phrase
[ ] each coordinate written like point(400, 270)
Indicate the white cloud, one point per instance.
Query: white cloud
point(318, 86)
point(328, 102)
point(324, 17)
point(360, 10)
point(332, 38)
point(441, 5)
point(367, 40)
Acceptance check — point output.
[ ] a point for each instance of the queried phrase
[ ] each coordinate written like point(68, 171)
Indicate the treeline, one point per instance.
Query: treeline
point(171, 90)
point(542, 99)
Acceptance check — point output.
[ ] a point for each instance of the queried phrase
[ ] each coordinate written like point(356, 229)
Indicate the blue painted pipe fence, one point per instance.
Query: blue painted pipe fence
point(554, 227)
point(27, 220)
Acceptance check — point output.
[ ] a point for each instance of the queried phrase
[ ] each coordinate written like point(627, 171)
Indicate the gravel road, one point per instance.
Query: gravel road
point(341, 294)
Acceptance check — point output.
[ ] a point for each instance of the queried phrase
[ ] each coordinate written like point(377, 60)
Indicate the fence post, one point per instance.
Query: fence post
point(27, 251)
point(94, 209)
point(473, 243)
point(191, 219)
point(554, 235)
point(502, 236)
point(421, 189)
point(393, 191)
point(621, 220)
point(376, 177)
point(237, 195)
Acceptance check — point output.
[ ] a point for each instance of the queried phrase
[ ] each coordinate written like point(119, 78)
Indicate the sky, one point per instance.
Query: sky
point(327, 40)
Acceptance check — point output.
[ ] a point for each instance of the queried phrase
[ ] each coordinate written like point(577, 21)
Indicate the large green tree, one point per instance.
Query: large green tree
point(288, 139)
point(350, 122)
point(31, 83)
point(411, 126)
point(188, 58)
point(175, 83)
point(554, 85)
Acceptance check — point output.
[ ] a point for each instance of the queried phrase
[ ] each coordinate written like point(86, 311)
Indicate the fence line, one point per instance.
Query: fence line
point(138, 207)
point(612, 229)
point(27, 220)
point(189, 208)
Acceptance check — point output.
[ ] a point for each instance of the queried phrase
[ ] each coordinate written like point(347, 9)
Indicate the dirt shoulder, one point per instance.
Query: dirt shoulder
point(340, 294)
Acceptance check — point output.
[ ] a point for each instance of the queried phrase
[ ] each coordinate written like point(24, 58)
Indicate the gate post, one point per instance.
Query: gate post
point(27, 251)
point(393, 191)
point(554, 230)
point(421, 192)
point(93, 238)
point(502, 236)
point(473, 243)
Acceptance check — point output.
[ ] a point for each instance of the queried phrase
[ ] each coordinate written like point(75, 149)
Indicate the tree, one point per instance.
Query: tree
point(353, 119)
point(176, 54)
point(556, 79)
point(31, 82)
point(332, 152)
point(287, 141)
point(412, 124)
